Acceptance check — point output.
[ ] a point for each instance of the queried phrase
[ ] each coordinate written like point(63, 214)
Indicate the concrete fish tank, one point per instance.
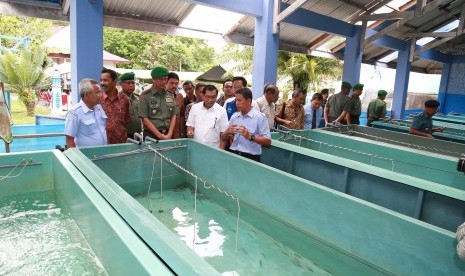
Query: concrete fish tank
point(53, 222)
point(208, 212)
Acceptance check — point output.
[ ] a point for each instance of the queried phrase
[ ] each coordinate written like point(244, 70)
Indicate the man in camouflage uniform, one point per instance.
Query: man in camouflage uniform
point(422, 124)
point(335, 105)
point(353, 107)
point(157, 107)
point(127, 83)
point(377, 108)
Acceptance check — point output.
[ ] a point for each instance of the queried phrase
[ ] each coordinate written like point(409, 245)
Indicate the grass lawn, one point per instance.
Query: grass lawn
point(19, 113)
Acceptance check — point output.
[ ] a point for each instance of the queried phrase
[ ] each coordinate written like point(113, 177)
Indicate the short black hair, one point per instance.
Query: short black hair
point(209, 87)
point(324, 91)
point(173, 75)
point(432, 103)
point(187, 82)
point(245, 92)
point(112, 73)
point(198, 85)
point(297, 92)
point(225, 81)
point(317, 96)
point(240, 78)
point(269, 88)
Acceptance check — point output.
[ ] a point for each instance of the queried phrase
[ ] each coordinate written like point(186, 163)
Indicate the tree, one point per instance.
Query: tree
point(23, 72)
point(308, 71)
point(145, 50)
point(304, 71)
point(39, 30)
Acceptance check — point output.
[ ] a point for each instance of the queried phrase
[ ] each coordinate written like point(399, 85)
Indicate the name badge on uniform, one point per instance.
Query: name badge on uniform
point(169, 99)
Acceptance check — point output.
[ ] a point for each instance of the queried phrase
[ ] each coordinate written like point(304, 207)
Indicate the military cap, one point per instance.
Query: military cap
point(382, 92)
point(432, 103)
point(346, 85)
point(159, 72)
point(127, 76)
point(358, 86)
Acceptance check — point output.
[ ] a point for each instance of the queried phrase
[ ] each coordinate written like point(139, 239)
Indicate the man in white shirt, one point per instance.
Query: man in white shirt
point(207, 119)
point(266, 103)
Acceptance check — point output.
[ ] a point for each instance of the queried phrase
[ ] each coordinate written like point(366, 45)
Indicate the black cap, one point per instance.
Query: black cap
point(432, 103)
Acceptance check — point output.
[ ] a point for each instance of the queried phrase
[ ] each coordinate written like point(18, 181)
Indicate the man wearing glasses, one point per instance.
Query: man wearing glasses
point(207, 119)
point(127, 83)
point(228, 92)
point(157, 107)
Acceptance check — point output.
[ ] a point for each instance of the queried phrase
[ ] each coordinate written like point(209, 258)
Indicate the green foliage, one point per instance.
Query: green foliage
point(308, 71)
point(305, 71)
point(23, 72)
point(39, 30)
point(146, 50)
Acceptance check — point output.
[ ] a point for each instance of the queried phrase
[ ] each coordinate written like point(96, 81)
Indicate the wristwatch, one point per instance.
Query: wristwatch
point(252, 137)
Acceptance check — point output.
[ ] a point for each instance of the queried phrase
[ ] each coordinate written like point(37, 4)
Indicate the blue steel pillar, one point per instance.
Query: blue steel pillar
point(442, 93)
point(401, 84)
point(86, 19)
point(265, 56)
point(352, 57)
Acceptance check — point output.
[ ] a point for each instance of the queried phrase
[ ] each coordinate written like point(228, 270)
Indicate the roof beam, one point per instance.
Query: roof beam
point(50, 11)
point(461, 22)
point(289, 10)
point(251, 8)
point(432, 45)
point(428, 7)
point(353, 19)
point(316, 21)
point(387, 16)
point(65, 7)
point(437, 34)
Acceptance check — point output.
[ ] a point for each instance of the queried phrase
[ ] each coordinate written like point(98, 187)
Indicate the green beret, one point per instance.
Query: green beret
point(127, 76)
point(382, 92)
point(159, 72)
point(346, 85)
point(358, 86)
point(431, 103)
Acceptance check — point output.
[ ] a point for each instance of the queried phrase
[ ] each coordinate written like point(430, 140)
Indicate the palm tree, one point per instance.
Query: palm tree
point(23, 72)
point(308, 71)
point(304, 70)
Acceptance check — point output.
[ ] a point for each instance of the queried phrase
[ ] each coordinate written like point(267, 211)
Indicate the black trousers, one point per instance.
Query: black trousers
point(247, 155)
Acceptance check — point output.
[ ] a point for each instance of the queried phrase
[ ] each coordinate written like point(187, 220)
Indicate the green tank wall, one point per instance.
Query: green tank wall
point(383, 239)
point(116, 246)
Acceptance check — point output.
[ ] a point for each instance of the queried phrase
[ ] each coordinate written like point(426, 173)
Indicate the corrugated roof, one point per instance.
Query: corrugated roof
point(167, 15)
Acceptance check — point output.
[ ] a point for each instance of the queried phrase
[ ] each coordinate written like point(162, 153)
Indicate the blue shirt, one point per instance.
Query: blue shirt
point(230, 108)
point(423, 122)
point(309, 116)
point(257, 124)
point(87, 126)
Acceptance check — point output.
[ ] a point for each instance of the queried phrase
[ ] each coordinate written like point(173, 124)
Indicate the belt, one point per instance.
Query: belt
point(246, 155)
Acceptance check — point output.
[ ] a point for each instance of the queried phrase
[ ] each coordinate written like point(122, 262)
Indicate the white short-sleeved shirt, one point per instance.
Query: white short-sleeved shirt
point(208, 123)
point(87, 126)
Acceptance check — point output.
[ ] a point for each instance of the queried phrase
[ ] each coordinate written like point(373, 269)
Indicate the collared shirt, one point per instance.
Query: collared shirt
point(335, 104)
point(423, 122)
point(208, 123)
point(230, 106)
point(188, 110)
point(309, 116)
point(135, 124)
point(119, 116)
point(257, 124)
point(353, 106)
point(268, 109)
point(376, 108)
point(87, 126)
point(292, 113)
point(158, 107)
